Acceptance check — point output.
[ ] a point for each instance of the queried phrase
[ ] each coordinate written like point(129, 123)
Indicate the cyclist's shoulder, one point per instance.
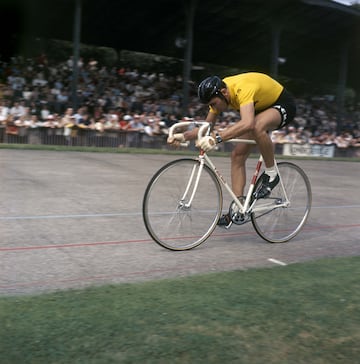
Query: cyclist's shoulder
point(247, 77)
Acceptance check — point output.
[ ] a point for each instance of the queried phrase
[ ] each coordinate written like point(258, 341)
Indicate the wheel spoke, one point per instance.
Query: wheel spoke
point(288, 206)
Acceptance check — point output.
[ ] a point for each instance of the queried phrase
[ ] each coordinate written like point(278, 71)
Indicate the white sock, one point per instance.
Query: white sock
point(271, 172)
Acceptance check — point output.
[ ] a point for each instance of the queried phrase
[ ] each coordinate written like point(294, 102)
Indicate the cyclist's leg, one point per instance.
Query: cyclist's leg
point(238, 171)
point(281, 113)
point(239, 156)
point(265, 121)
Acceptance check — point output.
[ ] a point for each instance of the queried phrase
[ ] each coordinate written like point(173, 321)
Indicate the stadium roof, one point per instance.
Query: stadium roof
point(236, 33)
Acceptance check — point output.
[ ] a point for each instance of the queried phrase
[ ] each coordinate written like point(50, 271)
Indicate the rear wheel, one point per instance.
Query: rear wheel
point(280, 217)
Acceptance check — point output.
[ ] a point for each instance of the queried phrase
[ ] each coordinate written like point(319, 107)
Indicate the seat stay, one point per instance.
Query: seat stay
point(287, 201)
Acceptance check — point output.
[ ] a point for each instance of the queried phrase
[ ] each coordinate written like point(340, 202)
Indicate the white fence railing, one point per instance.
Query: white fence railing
point(127, 138)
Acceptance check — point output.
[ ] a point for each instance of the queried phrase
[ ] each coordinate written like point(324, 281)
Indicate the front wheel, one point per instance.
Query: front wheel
point(182, 204)
point(280, 217)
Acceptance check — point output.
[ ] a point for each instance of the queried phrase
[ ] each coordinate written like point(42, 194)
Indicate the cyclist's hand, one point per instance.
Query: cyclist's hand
point(206, 143)
point(176, 140)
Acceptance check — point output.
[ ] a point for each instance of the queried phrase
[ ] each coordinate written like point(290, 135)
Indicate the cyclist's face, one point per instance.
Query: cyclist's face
point(218, 104)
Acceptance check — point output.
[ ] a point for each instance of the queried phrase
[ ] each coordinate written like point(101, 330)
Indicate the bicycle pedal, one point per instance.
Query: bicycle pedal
point(228, 226)
point(225, 221)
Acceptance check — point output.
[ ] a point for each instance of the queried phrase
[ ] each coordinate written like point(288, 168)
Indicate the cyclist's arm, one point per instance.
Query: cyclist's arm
point(246, 124)
point(192, 134)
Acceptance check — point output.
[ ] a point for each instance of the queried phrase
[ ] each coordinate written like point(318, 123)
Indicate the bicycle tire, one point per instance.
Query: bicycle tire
point(280, 224)
point(168, 221)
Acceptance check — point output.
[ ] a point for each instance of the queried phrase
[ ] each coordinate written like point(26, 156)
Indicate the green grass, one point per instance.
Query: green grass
point(301, 313)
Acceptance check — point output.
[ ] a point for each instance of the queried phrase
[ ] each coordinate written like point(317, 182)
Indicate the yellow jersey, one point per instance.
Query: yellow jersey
point(252, 87)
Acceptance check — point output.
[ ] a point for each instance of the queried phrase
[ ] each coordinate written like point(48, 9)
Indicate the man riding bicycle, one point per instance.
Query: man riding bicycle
point(264, 105)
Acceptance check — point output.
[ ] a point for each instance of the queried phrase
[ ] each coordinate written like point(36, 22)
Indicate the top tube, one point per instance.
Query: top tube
point(204, 128)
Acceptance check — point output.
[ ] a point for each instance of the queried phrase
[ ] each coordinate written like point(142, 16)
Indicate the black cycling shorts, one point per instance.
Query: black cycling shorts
point(286, 106)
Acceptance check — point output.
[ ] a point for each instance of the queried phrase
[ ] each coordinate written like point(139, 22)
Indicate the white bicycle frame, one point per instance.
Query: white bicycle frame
point(244, 208)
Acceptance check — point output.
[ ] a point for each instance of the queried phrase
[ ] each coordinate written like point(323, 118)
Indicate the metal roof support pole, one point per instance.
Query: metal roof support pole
point(275, 49)
point(190, 13)
point(340, 99)
point(76, 51)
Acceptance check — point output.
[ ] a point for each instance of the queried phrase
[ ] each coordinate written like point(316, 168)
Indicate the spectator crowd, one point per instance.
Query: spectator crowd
point(39, 93)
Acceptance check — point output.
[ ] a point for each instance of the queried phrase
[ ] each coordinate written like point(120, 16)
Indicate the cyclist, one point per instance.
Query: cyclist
point(264, 105)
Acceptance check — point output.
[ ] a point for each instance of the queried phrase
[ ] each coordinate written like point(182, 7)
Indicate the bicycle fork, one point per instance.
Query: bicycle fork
point(192, 183)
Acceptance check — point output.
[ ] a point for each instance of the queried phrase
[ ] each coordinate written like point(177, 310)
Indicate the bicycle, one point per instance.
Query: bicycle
point(183, 200)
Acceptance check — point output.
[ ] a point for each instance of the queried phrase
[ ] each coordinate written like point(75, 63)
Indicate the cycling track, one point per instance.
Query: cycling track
point(73, 219)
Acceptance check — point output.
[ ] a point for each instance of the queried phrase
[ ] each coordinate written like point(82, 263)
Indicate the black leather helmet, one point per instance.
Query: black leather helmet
point(209, 88)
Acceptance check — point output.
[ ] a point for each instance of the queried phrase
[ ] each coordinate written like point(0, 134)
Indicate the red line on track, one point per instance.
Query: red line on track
point(227, 234)
point(75, 245)
point(309, 228)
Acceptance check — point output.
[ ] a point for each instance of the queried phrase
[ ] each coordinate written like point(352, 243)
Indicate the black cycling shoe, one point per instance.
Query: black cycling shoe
point(266, 186)
point(225, 221)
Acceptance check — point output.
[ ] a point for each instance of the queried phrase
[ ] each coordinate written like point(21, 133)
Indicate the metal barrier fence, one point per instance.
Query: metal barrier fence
point(81, 137)
point(131, 139)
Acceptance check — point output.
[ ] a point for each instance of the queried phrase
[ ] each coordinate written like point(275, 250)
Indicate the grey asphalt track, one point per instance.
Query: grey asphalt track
point(73, 219)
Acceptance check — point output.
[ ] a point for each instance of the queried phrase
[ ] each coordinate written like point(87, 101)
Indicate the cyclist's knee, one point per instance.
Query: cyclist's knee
point(239, 154)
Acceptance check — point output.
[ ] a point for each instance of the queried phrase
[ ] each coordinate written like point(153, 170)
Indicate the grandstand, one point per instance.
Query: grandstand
point(316, 40)
point(313, 32)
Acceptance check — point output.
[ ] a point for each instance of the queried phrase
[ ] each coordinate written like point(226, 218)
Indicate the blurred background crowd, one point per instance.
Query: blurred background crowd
point(37, 93)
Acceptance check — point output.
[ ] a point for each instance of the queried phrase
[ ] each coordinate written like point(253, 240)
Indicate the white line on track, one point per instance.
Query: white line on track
point(4, 218)
point(337, 207)
point(66, 216)
point(276, 261)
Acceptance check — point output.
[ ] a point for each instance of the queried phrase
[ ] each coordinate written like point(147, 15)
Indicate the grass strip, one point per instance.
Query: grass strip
point(300, 313)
